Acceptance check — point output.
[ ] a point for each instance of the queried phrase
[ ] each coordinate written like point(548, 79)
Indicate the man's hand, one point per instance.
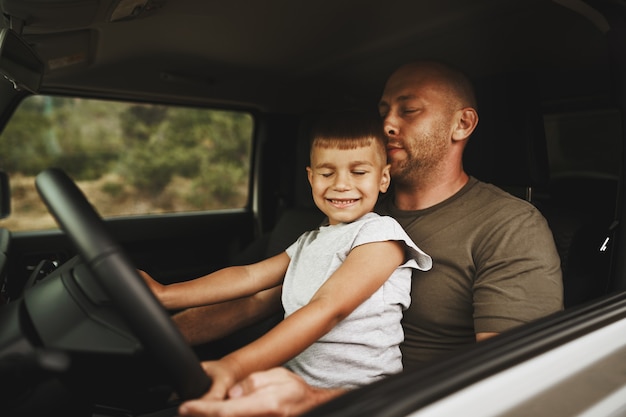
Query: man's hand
point(277, 392)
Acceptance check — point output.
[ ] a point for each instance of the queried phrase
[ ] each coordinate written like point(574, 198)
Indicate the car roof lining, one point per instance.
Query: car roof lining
point(274, 55)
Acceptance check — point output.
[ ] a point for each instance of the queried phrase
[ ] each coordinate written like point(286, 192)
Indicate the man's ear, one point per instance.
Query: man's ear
point(385, 179)
point(466, 122)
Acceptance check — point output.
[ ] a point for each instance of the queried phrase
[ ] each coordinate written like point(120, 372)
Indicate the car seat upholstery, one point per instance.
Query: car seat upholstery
point(581, 213)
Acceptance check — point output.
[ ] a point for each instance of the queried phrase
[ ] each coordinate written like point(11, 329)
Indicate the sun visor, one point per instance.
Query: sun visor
point(64, 52)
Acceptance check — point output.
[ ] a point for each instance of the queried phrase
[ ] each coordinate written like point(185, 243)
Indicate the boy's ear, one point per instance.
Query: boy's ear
point(309, 175)
point(466, 122)
point(385, 179)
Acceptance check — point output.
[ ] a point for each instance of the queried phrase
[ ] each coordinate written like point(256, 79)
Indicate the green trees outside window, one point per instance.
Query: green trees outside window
point(128, 158)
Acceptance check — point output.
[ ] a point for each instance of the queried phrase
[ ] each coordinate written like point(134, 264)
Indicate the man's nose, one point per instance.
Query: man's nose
point(390, 126)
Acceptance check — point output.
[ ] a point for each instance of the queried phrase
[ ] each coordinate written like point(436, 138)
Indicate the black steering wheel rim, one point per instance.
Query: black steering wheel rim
point(130, 295)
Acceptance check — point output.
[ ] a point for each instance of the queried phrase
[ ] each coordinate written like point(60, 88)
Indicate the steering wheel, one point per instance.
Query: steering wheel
point(115, 273)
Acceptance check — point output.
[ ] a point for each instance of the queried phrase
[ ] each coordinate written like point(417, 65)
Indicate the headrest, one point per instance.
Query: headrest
point(508, 147)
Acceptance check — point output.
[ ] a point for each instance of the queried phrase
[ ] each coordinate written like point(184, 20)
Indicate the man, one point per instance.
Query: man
point(495, 265)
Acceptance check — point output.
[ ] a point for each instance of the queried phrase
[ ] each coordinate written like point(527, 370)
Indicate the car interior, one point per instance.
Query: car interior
point(80, 335)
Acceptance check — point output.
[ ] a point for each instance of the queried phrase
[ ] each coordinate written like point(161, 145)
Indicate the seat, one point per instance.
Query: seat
point(581, 213)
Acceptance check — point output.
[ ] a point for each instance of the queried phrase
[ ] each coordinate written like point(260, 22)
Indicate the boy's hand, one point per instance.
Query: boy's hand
point(156, 287)
point(223, 377)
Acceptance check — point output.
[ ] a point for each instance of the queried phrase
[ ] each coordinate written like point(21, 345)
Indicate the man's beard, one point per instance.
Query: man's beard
point(422, 162)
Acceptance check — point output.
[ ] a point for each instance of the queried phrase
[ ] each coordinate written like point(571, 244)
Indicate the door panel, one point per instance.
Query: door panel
point(170, 247)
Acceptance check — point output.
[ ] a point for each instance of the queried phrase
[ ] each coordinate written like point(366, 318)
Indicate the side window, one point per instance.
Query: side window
point(128, 158)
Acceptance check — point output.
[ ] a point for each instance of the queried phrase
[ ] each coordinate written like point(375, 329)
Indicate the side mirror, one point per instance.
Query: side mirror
point(19, 63)
point(5, 195)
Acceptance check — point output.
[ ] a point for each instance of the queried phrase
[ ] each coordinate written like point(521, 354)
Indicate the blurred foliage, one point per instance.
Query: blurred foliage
point(147, 145)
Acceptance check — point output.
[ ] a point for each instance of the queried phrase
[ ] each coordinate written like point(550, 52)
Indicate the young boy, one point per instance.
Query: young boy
point(345, 284)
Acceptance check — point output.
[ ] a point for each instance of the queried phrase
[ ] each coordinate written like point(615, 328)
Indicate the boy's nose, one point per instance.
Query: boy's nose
point(342, 182)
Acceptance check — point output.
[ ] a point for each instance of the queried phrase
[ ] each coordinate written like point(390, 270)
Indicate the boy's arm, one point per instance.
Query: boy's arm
point(223, 285)
point(365, 269)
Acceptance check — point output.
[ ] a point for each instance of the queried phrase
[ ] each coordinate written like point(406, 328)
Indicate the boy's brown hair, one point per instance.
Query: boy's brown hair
point(349, 129)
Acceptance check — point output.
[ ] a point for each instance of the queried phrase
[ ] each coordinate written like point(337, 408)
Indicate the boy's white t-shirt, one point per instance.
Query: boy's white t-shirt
point(363, 347)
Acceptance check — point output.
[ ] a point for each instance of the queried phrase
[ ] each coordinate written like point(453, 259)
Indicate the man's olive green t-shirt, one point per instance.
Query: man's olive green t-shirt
point(495, 266)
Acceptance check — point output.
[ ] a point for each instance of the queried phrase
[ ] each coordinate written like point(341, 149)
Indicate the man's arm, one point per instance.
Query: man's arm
point(204, 324)
point(276, 392)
